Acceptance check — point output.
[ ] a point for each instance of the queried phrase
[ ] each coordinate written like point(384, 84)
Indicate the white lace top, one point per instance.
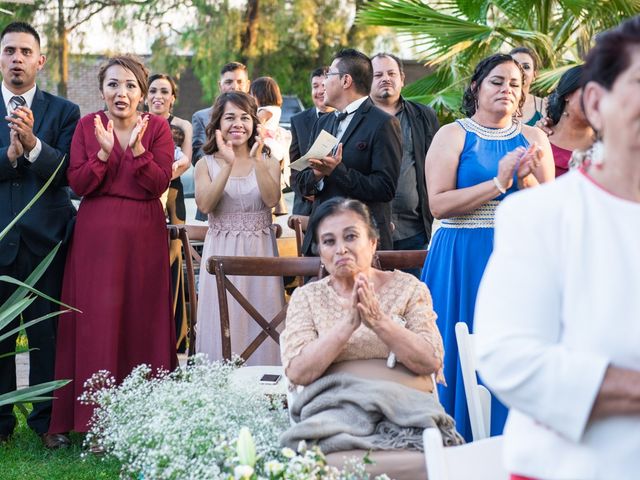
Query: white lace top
point(316, 308)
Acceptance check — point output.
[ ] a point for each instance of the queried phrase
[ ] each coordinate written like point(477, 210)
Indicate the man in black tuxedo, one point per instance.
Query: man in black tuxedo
point(366, 163)
point(34, 137)
point(411, 215)
point(301, 126)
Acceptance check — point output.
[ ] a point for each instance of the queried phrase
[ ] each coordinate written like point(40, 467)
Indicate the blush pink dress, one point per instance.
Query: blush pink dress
point(239, 226)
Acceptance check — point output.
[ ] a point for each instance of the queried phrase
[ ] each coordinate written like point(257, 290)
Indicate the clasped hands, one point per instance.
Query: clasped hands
point(322, 167)
point(106, 137)
point(524, 160)
point(21, 136)
point(365, 305)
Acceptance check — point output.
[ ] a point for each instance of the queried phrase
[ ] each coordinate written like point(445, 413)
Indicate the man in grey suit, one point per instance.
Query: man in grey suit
point(34, 138)
point(233, 77)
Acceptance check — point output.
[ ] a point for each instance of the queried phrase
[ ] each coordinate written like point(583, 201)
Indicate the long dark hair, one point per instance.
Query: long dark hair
point(470, 96)
point(244, 102)
point(570, 81)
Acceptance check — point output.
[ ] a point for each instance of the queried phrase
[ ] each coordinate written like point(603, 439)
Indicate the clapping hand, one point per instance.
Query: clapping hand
point(507, 166)
point(225, 149)
point(367, 302)
point(15, 150)
point(21, 121)
point(104, 136)
point(530, 160)
point(256, 151)
point(135, 141)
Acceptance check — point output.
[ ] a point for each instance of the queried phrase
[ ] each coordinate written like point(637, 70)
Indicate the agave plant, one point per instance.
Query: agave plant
point(24, 295)
point(451, 36)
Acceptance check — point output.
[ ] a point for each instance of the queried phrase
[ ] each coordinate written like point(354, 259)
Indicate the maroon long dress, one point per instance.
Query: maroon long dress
point(117, 269)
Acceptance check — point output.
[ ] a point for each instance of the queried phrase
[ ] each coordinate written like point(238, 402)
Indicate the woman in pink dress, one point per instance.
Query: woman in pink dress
point(117, 269)
point(237, 184)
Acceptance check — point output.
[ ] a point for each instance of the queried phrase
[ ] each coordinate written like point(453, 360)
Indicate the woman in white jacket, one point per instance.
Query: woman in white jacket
point(558, 311)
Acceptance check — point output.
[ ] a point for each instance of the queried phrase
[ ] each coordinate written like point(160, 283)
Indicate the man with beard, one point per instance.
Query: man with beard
point(410, 207)
point(34, 138)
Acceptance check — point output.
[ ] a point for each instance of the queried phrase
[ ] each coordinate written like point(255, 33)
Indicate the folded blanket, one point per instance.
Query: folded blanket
point(344, 412)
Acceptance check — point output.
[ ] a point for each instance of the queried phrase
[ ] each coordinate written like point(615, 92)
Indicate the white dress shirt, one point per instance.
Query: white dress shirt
point(28, 97)
point(558, 303)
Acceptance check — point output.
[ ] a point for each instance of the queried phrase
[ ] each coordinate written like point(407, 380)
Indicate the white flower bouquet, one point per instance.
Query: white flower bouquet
point(188, 424)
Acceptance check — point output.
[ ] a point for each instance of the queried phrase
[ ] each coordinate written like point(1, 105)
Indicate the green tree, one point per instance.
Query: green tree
point(453, 35)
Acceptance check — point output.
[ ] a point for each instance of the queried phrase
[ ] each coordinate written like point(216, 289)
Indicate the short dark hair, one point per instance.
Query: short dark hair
point(484, 67)
point(529, 51)
point(393, 57)
point(20, 27)
point(611, 54)
point(168, 78)
point(232, 67)
point(318, 72)
point(244, 102)
point(570, 81)
point(358, 66)
point(266, 92)
point(128, 62)
point(335, 206)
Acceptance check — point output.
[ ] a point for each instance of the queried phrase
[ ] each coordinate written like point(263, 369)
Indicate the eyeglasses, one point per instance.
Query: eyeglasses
point(328, 74)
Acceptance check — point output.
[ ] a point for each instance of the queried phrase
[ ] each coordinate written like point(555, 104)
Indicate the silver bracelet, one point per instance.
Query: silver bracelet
point(499, 186)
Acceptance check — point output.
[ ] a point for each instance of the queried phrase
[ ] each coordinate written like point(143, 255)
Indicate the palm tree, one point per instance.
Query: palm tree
point(451, 36)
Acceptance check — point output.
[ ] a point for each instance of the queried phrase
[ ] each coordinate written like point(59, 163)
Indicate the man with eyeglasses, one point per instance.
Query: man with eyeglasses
point(411, 216)
point(366, 164)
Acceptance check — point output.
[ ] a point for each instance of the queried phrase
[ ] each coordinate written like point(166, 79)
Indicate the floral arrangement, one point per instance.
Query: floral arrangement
point(194, 423)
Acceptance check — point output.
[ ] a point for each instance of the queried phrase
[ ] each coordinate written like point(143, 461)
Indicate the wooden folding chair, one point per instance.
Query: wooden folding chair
point(187, 234)
point(221, 267)
point(299, 225)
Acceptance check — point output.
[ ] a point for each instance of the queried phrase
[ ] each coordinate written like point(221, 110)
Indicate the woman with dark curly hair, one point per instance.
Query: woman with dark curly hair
point(571, 129)
point(237, 184)
point(471, 166)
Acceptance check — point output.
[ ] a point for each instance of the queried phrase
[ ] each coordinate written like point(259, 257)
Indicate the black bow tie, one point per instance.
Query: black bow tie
point(321, 114)
point(340, 116)
point(17, 101)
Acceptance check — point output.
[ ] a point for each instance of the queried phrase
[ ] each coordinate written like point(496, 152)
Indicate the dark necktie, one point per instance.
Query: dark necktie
point(17, 101)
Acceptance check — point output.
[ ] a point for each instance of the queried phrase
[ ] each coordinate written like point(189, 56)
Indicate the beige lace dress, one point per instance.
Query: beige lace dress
point(239, 226)
point(315, 308)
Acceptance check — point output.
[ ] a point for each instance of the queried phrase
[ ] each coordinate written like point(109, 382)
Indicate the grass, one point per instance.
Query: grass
point(25, 458)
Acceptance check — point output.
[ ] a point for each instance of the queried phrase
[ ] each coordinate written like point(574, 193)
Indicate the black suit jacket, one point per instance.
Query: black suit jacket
point(301, 127)
point(46, 222)
point(424, 125)
point(371, 156)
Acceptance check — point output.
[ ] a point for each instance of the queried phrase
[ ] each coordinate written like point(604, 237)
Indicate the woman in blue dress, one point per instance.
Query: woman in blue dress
point(471, 166)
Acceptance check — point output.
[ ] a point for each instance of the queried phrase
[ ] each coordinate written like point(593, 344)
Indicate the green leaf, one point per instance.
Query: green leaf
point(7, 279)
point(13, 310)
point(28, 393)
point(26, 325)
point(33, 200)
point(33, 277)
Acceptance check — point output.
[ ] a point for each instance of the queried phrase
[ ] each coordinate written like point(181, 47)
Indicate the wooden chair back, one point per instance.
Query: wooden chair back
point(188, 234)
point(222, 267)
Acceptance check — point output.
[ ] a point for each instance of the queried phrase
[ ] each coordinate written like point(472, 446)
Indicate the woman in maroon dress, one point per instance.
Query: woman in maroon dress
point(117, 270)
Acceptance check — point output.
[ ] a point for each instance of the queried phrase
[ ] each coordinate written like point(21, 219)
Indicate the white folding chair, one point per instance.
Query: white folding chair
point(481, 460)
point(478, 397)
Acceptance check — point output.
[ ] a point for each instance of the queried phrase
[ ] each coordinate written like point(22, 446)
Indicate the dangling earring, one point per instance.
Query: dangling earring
point(597, 153)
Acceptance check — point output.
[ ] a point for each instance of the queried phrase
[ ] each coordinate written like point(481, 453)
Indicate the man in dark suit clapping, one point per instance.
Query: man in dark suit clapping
point(34, 138)
point(366, 165)
point(301, 127)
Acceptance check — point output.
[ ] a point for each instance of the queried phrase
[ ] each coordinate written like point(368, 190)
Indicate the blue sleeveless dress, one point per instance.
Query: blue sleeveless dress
point(458, 256)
